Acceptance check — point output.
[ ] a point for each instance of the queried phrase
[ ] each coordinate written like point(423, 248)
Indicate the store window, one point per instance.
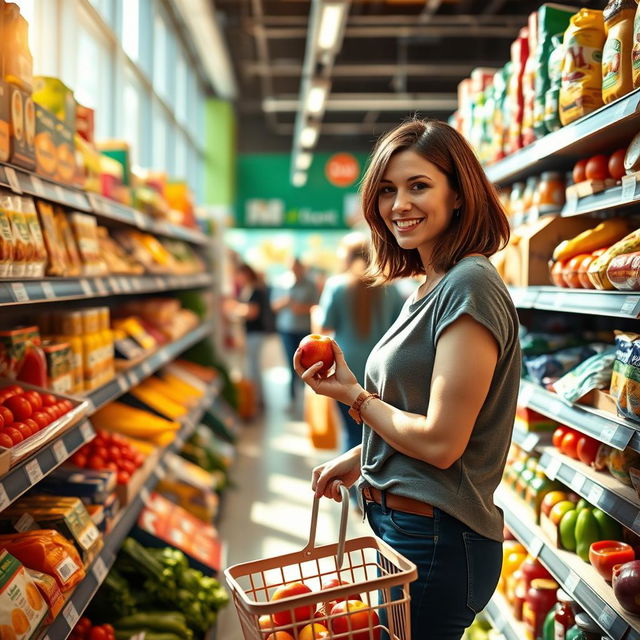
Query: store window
point(160, 57)
point(159, 142)
point(130, 28)
point(107, 9)
point(181, 98)
point(132, 99)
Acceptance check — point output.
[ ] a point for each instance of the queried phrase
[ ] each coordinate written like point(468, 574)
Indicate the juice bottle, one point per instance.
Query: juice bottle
point(617, 76)
point(635, 50)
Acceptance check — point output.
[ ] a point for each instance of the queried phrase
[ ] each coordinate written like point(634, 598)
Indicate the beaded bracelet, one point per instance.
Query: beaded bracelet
point(357, 406)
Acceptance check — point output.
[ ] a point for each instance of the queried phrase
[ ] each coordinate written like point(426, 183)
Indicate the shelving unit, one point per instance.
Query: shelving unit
point(607, 128)
point(576, 577)
point(80, 598)
point(530, 441)
point(502, 620)
point(599, 488)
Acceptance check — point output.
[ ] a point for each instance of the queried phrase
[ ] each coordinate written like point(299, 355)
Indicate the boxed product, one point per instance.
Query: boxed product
point(52, 94)
point(85, 122)
point(17, 61)
point(92, 487)
point(22, 607)
point(59, 358)
point(22, 128)
point(163, 523)
point(5, 123)
point(529, 420)
point(50, 591)
point(65, 150)
point(45, 146)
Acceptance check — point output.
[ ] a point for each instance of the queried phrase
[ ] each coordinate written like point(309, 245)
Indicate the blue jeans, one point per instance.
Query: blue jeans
point(352, 430)
point(458, 569)
point(290, 342)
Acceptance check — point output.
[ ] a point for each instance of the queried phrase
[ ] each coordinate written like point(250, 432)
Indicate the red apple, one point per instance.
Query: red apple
point(316, 348)
point(354, 615)
point(626, 585)
point(334, 582)
point(301, 613)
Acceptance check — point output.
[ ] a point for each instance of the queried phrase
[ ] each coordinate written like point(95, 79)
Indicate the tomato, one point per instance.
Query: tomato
point(7, 416)
point(59, 407)
point(569, 445)
point(16, 388)
point(33, 425)
point(67, 404)
point(100, 452)
point(112, 466)
point(6, 394)
point(53, 414)
point(353, 615)
point(83, 625)
point(48, 399)
point(98, 633)
point(114, 453)
point(19, 406)
point(24, 430)
point(14, 434)
point(1, 421)
point(34, 399)
point(96, 463)
point(587, 449)
point(597, 167)
point(124, 477)
point(558, 434)
point(41, 418)
point(79, 459)
point(616, 164)
point(5, 440)
point(128, 466)
point(578, 171)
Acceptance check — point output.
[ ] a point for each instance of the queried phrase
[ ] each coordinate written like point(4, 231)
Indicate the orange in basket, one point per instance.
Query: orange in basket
point(366, 565)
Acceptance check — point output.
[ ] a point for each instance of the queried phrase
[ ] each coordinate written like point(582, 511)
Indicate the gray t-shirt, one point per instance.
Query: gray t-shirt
point(400, 369)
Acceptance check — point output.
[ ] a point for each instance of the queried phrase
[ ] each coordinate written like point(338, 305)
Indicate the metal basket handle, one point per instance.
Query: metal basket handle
point(343, 526)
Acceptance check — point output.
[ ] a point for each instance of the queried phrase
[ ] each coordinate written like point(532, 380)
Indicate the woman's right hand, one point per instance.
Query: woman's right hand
point(345, 469)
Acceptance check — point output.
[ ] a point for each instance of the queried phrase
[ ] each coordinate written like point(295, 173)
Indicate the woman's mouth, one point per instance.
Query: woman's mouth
point(407, 225)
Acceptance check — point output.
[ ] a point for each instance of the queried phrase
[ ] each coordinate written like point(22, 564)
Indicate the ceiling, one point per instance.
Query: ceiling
point(398, 57)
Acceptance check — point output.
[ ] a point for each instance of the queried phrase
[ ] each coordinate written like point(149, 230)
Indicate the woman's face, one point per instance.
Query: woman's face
point(416, 202)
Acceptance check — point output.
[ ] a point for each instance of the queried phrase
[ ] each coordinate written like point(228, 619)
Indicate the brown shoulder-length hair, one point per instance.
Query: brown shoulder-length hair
point(479, 226)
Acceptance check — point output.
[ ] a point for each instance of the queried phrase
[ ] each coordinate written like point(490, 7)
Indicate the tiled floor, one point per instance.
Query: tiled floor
point(267, 512)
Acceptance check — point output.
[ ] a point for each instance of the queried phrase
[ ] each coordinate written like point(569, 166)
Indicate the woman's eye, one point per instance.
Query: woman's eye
point(385, 190)
point(417, 186)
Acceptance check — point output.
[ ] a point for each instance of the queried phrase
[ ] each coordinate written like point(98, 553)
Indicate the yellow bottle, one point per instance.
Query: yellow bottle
point(617, 75)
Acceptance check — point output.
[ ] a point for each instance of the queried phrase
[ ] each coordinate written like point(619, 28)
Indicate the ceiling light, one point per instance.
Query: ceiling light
point(303, 161)
point(309, 136)
point(316, 98)
point(331, 22)
point(299, 178)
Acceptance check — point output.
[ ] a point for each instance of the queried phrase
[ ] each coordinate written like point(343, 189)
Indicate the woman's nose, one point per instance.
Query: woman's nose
point(401, 202)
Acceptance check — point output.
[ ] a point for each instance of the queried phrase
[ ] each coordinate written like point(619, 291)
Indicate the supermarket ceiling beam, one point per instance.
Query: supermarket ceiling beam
point(397, 21)
point(369, 102)
point(421, 31)
point(444, 70)
point(343, 128)
point(494, 6)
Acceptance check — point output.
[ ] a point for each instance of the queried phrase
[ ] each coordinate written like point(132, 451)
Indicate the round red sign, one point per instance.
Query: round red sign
point(342, 169)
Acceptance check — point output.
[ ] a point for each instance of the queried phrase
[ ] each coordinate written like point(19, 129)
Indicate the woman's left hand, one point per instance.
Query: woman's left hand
point(341, 385)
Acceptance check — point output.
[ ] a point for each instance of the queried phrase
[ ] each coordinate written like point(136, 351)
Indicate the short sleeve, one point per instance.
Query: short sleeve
point(476, 290)
point(329, 318)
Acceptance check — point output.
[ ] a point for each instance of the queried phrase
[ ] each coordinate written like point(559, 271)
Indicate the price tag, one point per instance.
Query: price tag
point(144, 495)
point(161, 472)
point(122, 384)
point(636, 523)
point(12, 179)
point(595, 493)
point(530, 442)
point(95, 202)
point(571, 205)
point(133, 379)
point(86, 431)
point(47, 290)
point(19, 292)
point(25, 523)
point(536, 547)
point(86, 287)
point(628, 187)
point(34, 472)
point(609, 434)
point(101, 287)
point(607, 617)
point(71, 615)
point(146, 368)
point(571, 582)
point(525, 395)
point(136, 285)
point(4, 498)
point(60, 193)
point(38, 187)
point(139, 220)
point(126, 286)
point(159, 283)
point(99, 570)
point(60, 451)
point(577, 482)
point(114, 284)
point(630, 306)
point(552, 468)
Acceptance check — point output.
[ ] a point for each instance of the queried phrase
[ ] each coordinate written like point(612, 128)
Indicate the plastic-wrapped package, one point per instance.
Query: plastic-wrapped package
point(593, 373)
point(549, 367)
point(625, 380)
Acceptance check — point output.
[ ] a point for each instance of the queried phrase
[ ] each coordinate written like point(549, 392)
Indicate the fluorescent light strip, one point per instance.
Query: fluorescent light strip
point(299, 179)
point(303, 161)
point(309, 136)
point(330, 21)
point(316, 98)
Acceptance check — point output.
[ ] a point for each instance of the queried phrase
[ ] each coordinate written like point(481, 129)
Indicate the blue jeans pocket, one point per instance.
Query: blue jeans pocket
point(412, 525)
point(484, 562)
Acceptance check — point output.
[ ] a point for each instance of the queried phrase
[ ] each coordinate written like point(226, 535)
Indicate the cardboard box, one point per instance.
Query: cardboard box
point(22, 128)
point(65, 150)
point(599, 399)
point(531, 247)
point(5, 123)
point(45, 146)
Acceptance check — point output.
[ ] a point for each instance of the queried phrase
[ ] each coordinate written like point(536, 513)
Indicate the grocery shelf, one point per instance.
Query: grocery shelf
point(599, 488)
point(577, 578)
point(22, 181)
point(13, 293)
point(530, 440)
point(125, 380)
point(29, 472)
point(614, 198)
point(607, 428)
point(502, 620)
point(610, 127)
point(61, 627)
point(622, 304)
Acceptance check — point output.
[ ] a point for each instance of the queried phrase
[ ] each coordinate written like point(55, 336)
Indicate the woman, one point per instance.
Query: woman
point(358, 315)
point(441, 385)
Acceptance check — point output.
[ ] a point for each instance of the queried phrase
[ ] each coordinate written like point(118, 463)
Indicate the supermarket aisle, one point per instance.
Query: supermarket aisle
point(268, 512)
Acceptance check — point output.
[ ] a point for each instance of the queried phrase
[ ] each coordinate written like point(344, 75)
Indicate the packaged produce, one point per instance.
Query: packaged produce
point(22, 128)
point(22, 608)
point(625, 380)
point(85, 231)
point(514, 102)
point(593, 373)
point(597, 271)
point(92, 487)
point(21, 237)
point(546, 368)
point(50, 591)
point(17, 61)
point(571, 270)
point(581, 90)
point(49, 552)
point(59, 358)
point(602, 235)
point(72, 257)
point(635, 51)
point(52, 94)
point(624, 271)
point(53, 243)
point(617, 75)
point(45, 145)
point(551, 118)
point(116, 259)
point(549, 196)
point(529, 81)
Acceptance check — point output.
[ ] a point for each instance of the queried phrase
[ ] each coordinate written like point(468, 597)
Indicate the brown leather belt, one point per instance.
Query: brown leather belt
point(399, 503)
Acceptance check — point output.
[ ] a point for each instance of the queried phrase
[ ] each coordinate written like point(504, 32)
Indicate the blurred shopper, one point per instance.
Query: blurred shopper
point(358, 315)
point(441, 386)
point(251, 305)
point(293, 298)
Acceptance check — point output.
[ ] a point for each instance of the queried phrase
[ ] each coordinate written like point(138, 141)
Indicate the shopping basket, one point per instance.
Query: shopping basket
point(377, 575)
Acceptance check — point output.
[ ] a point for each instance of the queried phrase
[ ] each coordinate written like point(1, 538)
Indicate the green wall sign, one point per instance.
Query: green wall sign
point(266, 199)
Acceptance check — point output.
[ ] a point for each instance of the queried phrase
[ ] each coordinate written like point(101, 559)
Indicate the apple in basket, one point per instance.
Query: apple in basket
point(313, 631)
point(354, 615)
point(326, 607)
point(300, 614)
point(315, 348)
point(280, 635)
